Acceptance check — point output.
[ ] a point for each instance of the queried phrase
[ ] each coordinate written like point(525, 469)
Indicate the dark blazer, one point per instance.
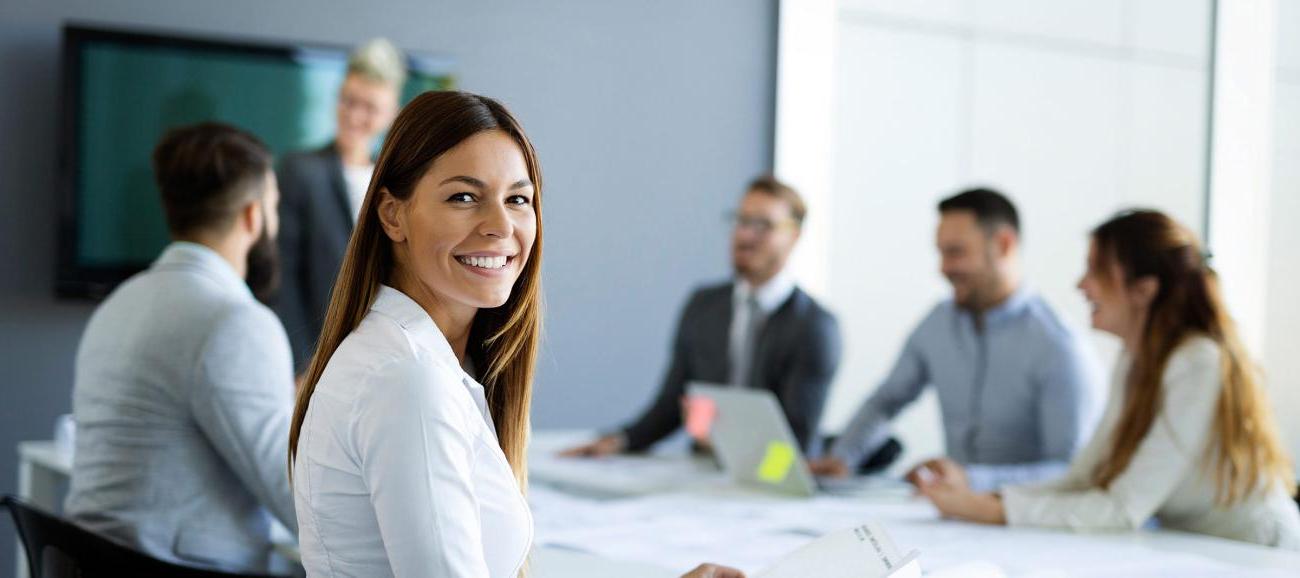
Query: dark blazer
point(315, 224)
point(797, 354)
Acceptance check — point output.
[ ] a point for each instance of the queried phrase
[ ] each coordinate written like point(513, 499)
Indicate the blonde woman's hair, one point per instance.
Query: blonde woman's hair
point(378, 60)
point(503, 341)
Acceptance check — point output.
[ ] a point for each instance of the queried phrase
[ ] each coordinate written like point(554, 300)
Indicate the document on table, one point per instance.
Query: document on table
point(623, 475)
point(862, 552)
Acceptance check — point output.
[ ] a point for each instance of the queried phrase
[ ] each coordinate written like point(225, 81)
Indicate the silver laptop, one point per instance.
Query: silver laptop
point(753, 440)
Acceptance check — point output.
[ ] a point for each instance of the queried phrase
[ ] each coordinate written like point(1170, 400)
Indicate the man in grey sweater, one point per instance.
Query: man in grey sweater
point(184, 381)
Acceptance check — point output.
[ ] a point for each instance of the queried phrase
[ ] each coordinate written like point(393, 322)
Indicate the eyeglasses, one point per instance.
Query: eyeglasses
point(759, 225)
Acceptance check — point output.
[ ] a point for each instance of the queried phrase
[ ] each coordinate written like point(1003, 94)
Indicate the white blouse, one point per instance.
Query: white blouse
point(399, 472)
point(1169, 475)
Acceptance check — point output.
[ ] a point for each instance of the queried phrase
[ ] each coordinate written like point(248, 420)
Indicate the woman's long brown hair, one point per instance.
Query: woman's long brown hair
point(503, 341)
point(1245, 453)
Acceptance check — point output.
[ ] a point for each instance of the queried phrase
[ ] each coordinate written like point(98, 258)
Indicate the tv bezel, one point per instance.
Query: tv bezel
point(74, 280)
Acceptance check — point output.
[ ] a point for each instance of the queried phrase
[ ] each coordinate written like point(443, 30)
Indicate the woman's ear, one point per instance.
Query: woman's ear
point(1145, 290)
point(392, 217)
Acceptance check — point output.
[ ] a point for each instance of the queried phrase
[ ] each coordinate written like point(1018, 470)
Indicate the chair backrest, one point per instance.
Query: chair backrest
point(57, 548)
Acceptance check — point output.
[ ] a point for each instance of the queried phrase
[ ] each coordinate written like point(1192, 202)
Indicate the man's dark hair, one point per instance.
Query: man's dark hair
point(205, 173)
point(991, 208)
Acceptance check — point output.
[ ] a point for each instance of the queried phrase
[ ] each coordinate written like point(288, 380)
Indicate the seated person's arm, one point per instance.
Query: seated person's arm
point(804, 387)
point(663, 416)
point(1067, 398)
point(242, 400)
point(1174, 446)
point(869, 428)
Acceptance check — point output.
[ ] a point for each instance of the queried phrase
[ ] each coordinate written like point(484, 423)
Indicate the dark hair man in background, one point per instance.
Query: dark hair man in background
point(1018, 390)
point(184, 381)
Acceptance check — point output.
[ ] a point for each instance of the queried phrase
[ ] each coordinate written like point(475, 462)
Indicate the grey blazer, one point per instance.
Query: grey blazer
point(183, 398)
point(798, 352)
point(315, 225)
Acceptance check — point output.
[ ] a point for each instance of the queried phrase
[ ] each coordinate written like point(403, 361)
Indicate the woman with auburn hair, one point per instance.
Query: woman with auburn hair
point(1188, 436)
point(408, 440)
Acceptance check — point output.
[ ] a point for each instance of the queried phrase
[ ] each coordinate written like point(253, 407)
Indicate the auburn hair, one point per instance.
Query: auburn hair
point(1245, 453)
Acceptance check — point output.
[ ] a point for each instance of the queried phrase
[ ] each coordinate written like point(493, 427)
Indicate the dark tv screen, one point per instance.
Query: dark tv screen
point(123, 90)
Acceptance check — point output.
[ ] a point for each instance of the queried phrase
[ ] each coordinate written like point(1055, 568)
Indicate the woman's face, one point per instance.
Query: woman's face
point(466, 232)
point(1113, 308)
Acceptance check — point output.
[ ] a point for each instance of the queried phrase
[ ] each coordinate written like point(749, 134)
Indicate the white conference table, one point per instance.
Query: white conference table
point(657, 516)
point(676, 511)
point(43, 470)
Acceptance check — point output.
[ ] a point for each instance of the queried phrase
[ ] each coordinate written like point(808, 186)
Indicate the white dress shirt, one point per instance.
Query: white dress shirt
point(357, 179)
point(399, 471)
point(1169, 477)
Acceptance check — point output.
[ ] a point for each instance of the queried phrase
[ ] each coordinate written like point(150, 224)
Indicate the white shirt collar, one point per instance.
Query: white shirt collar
point(204, 258)
point(770, 295)
point(414, 319)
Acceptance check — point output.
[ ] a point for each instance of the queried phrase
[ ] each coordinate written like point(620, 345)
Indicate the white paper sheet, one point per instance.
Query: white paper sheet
point(862, 552)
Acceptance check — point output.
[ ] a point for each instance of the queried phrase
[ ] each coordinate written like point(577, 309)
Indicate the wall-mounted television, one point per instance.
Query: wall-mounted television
point(122, 89)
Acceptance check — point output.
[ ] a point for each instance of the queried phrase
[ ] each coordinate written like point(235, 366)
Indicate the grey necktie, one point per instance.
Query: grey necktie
point(748, 343)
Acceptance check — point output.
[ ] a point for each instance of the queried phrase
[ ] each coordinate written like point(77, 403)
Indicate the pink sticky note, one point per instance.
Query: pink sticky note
point(700, 412)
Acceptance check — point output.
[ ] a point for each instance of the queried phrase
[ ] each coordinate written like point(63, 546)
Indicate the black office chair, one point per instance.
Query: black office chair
point(57, 548)
point(878, 461)
point(883, 458)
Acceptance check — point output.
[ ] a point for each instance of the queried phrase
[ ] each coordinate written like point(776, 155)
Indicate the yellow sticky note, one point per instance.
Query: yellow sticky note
point(777, 462)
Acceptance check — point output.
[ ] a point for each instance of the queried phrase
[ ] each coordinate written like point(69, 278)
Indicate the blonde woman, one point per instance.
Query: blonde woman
point(1188, 436)
point(408, 441)
point(323, 189)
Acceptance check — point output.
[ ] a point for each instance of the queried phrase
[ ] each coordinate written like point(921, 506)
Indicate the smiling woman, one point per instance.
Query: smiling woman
point(407, 444)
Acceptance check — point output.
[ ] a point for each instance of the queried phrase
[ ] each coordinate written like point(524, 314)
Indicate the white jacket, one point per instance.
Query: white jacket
point(1169, 477)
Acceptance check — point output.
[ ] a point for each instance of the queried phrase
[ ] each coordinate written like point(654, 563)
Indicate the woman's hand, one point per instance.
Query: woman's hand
point(955, 499)
point(939, 470)
point(714, 571)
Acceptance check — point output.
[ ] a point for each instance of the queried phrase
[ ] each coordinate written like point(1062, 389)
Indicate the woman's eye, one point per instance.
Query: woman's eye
point(461, 198)
point(519, 200)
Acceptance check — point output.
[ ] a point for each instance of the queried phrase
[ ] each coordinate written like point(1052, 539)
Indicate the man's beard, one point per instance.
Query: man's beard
point(263, 275)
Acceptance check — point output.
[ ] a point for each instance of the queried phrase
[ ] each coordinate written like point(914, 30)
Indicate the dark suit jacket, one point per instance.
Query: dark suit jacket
point(797, 354)
point(315, 224)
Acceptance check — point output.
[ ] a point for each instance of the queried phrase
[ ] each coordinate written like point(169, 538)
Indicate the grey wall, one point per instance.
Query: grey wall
point(648, 116)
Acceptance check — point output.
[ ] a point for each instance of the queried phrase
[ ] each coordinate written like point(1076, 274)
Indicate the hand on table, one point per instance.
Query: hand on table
point(944, 483)
point(939, 470)
point(829, 467)
point(714, 571)
point(603, 446)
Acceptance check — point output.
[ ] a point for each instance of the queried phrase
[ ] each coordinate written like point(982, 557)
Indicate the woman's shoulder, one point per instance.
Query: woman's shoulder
point(1195, 363)
point(379, 354)
point(1197, 351)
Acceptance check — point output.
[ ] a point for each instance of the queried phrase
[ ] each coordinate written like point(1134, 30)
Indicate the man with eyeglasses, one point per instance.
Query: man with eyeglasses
point(758, 331)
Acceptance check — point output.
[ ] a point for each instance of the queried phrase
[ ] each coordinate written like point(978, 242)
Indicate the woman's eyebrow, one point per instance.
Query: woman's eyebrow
point(471, 181)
